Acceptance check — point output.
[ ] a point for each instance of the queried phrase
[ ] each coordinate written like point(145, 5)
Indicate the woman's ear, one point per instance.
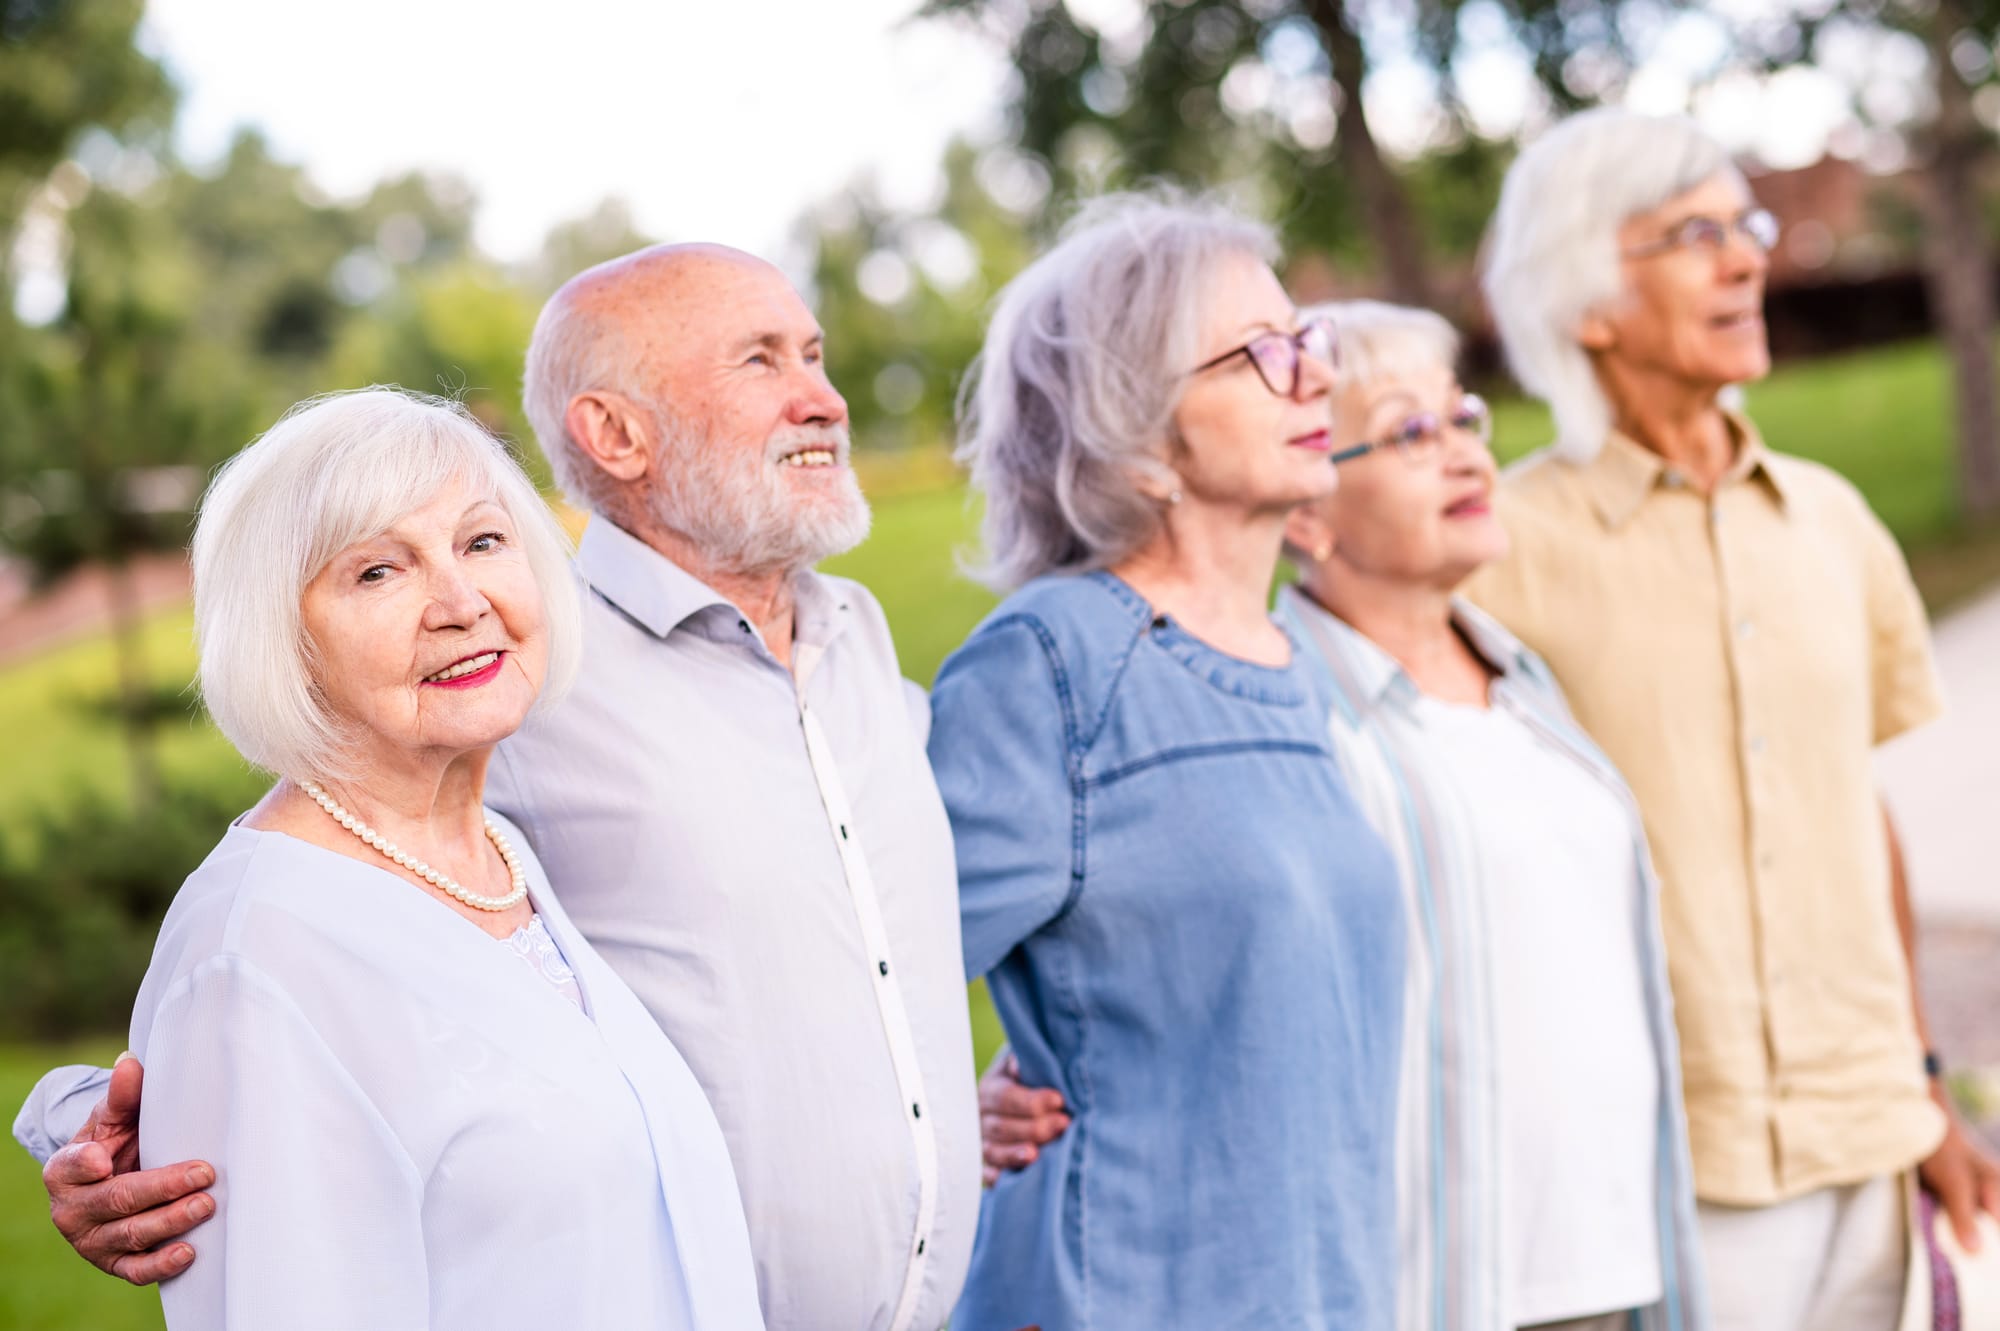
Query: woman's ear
point(1308, 531)
point(1594, 332)
point(610, 430)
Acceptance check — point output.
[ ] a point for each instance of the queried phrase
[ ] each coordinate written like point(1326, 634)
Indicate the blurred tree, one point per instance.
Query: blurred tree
point(605, 232)
point(1271, 92)
point(112, 434)
point(459, 330)
point(1953, 147)
point(903, 298)
point(67, 66)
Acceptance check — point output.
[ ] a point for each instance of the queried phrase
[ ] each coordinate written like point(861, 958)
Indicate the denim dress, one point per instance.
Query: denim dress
point(1191, 932)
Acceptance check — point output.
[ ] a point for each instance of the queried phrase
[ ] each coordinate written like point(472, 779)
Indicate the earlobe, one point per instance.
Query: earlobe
point(1594, 333)
point(607, 430)
point(1306, 530)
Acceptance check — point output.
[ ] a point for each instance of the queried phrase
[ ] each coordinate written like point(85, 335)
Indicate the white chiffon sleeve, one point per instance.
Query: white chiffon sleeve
point(318, 1220)
point(58, 1107)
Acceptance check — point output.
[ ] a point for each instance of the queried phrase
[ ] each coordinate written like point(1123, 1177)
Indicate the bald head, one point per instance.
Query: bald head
point(616, 328)
point(644, 369)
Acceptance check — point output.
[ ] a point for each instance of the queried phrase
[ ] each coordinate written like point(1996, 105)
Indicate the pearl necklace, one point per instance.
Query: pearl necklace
point(515, 872)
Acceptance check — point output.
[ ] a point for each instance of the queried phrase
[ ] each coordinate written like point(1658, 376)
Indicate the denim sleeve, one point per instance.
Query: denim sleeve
point(56, 1109)
point(999, 747)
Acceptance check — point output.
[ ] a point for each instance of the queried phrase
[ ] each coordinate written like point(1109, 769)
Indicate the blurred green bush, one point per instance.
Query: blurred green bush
point(81, 898)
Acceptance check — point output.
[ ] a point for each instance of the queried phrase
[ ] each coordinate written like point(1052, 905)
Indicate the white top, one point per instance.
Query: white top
point(1579, 1088)
point(763, 856)
point(410, 1129)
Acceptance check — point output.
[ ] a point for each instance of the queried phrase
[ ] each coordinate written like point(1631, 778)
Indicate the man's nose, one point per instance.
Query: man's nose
point(815, 401)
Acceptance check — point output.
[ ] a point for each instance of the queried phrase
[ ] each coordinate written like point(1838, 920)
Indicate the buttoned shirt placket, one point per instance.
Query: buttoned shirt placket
point(888, 991)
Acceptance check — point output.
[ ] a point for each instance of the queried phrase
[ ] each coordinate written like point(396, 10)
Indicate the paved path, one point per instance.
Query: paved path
point(1943, 785)
point(1943, 781)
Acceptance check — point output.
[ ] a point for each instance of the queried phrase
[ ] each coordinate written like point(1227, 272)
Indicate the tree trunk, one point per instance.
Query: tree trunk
point(1958, 271)
point(1386, 211)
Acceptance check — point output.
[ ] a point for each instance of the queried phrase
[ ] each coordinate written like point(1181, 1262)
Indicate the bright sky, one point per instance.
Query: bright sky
point(720, 120)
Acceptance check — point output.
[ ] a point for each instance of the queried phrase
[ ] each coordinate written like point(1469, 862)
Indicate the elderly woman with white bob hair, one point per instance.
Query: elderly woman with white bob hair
point(1190, 933)
point(1738, 631)
point(427, 1101)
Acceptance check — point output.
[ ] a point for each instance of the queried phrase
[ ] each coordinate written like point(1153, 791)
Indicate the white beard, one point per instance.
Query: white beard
point(734, 503)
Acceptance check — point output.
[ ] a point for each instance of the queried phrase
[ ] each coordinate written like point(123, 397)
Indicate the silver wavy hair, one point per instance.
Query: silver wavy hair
point(1554, 247)
point(336, 470)
point(1068, 405)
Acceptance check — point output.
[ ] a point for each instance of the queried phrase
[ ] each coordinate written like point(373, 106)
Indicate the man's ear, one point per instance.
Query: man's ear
point(611, 431)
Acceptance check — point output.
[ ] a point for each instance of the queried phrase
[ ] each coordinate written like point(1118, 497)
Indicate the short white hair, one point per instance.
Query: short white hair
point(1062, 414)
point(336, 470)
point(1554, 252)
point(573, 351)
point(1379, 341)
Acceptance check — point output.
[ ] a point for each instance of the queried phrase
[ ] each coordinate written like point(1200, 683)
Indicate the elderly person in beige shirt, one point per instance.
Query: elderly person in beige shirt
point(1738, 631)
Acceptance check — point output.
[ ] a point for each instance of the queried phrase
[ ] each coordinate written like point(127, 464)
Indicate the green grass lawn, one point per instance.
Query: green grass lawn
point(45, 1286)
point(1879, 418)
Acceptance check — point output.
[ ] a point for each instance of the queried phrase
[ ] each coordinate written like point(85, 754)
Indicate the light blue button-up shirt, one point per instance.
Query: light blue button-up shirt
point(763, 857)
point(1192, 933)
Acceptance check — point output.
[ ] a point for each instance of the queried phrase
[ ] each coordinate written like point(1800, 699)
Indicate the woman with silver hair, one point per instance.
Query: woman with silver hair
point(1737, 631)
point(1190, 933)
point(426, 1100)
point(1541, 1159)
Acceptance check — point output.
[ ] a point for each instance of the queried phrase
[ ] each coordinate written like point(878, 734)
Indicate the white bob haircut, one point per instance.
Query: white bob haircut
point(1070, 401)
point(1554, 255)
point(336, 470)
point(1379, 341)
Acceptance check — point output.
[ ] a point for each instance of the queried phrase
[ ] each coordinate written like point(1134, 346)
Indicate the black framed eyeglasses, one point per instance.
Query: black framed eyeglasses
point(1708, 235)
point(1417, 438)
point(1277, 355)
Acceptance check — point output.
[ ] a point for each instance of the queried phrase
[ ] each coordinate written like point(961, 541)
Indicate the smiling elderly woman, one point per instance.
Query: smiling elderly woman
point(427, 1101)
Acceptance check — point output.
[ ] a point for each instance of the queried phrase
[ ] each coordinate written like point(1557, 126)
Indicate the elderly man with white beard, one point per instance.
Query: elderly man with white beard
point(733, 805)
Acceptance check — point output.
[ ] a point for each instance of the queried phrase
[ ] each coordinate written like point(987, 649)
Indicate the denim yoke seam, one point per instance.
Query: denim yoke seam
point(1219, 749)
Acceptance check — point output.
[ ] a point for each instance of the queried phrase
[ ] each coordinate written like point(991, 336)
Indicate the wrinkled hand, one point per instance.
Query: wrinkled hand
point(118, 1216)
point(1964, 1177)
point(1015, 1121)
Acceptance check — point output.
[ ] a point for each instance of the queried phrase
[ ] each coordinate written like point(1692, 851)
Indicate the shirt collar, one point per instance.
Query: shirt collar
point(650, 588)
point(1370, 675)
point(1625, 472)
point(660, 595)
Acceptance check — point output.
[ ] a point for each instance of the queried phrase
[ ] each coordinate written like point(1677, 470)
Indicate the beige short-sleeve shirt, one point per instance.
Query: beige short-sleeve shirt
point(1739, 655)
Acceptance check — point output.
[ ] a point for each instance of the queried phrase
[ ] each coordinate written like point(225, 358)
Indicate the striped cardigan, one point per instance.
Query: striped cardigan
point(1449, 1169)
